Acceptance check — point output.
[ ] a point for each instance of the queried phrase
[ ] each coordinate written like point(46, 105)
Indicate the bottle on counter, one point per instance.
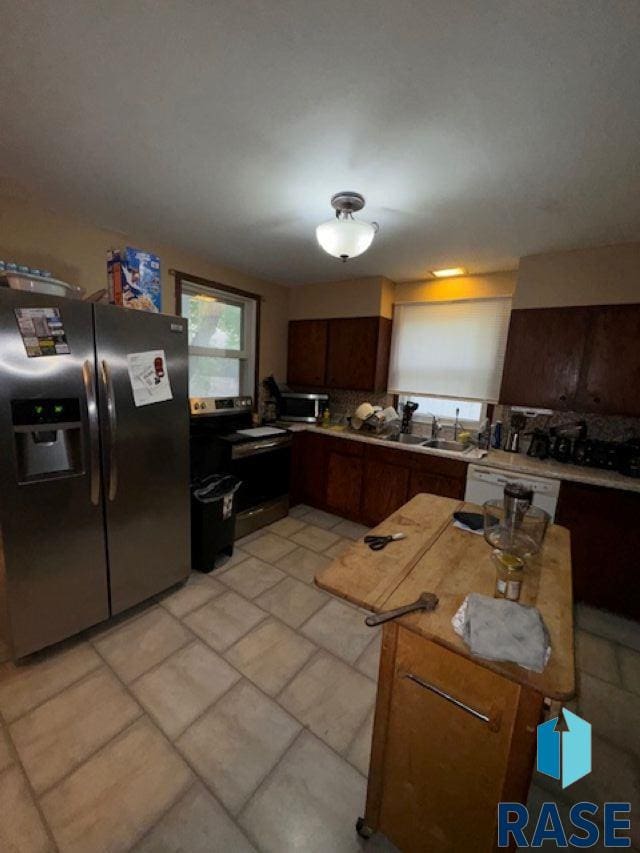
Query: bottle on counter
point(509, 575)
point(326, 419)
point(496, 435)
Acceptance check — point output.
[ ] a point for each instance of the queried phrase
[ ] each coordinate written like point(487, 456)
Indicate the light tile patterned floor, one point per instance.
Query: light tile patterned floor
point(235, 714)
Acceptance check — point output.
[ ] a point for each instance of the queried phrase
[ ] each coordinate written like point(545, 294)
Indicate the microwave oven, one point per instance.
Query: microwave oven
point(306, 408)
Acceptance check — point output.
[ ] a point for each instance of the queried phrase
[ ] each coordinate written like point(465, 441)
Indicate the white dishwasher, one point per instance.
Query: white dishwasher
point(485, 484)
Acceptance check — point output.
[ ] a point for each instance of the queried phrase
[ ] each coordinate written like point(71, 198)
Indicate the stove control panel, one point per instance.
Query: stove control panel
point(219, 405)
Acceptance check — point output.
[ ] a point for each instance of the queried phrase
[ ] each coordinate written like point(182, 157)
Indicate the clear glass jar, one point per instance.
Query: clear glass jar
point(509, 575)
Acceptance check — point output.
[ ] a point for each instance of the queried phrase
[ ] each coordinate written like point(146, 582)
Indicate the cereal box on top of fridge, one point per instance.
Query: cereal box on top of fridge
point(134, 279)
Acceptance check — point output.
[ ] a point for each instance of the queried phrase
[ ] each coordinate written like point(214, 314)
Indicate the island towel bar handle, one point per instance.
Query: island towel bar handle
point(493, 721)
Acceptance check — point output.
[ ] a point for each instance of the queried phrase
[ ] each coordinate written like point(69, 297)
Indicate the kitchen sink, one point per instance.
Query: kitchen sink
point(443, 444)
point(404, 438)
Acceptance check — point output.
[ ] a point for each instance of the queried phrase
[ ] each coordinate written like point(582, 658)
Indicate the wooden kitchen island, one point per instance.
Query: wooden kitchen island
point(453, 734)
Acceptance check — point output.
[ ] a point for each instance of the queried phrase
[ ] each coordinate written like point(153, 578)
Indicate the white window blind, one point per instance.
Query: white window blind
point(450, 349)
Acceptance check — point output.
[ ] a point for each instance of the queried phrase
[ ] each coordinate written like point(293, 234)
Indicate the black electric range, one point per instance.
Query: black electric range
point(261, 462)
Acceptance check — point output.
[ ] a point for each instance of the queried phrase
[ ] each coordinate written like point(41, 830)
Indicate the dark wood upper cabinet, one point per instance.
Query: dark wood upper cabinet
point(544, 356)
point(611, 377)
point(584, 359)
point(350, 353)
point(307, 355)
point(358, 353)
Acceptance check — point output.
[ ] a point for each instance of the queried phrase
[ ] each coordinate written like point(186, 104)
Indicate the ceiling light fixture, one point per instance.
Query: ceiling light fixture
point(451, 271)
point(345, 237)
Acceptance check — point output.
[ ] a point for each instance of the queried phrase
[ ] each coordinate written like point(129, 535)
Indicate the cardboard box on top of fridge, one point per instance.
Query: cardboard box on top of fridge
point(134, 279)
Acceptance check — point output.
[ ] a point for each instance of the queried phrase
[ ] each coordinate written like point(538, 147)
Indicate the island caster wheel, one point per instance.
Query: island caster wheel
point(363, 831)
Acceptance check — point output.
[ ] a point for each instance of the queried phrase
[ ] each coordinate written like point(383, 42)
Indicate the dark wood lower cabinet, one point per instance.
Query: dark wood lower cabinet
point(385, 489)
point(367, 482)
point(605, 545)
point(344, 485)
point(308, 470)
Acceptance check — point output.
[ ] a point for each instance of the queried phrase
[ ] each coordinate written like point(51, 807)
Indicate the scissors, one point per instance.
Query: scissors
point(377, 543)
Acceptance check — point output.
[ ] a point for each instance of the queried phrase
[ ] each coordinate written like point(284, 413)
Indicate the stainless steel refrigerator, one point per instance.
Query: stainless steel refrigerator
point(94, 463)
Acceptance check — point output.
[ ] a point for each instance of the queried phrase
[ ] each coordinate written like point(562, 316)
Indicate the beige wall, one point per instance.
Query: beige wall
point(599, 276)
point(76, 252)
point(360, 297)
point(458, 287)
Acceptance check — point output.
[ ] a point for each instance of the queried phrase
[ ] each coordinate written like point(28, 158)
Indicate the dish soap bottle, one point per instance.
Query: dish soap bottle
point(326, 419)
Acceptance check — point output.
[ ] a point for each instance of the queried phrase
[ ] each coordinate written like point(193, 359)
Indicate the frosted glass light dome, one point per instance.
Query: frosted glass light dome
point(345, 238)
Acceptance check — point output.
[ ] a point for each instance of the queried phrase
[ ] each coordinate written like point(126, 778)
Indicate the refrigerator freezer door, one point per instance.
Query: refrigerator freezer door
point(53, 571)
point(145, 452)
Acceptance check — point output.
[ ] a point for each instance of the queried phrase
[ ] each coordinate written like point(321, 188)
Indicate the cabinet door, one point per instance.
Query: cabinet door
point(344, 484)
point(358, 353)
point(307, 354)
point(612, 371)
point(544, 356)
point(384, 490)
point(439, 760)
point(605, 543)
point(309, 469)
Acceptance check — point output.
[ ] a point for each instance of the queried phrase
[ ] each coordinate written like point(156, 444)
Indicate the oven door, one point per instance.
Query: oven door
point(264, 469)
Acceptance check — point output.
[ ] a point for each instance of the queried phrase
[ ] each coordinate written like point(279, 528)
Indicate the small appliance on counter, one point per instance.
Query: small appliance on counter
point(297, 406)
point(540, 444)
point(629, 458)
point(563, 438)
point(407, 413)
point(516, 425)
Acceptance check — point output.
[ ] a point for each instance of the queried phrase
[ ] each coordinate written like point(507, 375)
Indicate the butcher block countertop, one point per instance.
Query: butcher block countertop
point(437, 557)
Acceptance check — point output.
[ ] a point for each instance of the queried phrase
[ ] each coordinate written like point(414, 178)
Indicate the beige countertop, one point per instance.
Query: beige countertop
point(517, 462)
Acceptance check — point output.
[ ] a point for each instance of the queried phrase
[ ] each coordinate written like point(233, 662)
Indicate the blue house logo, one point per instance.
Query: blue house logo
point(565, 755)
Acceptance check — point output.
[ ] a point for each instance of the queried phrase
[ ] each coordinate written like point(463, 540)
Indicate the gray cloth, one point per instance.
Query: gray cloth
point(498, 629)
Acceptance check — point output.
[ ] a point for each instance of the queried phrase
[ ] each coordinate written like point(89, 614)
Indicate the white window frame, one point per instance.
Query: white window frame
point(247, 354)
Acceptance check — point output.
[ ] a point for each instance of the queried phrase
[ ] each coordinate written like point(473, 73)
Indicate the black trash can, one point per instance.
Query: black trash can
point(213, 520)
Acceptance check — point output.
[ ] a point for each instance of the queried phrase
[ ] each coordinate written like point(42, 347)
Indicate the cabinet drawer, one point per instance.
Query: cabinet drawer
point(440, 465)
point(343, 446)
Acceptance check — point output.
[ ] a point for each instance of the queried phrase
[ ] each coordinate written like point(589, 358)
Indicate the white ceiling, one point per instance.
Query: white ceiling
point(479, 131)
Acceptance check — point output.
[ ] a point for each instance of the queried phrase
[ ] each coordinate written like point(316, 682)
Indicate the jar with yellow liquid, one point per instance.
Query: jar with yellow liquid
point(509, 575)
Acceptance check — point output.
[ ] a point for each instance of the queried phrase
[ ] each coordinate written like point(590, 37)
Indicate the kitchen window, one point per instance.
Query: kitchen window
point(471, 413)
point(449, 354)
point(222, 337)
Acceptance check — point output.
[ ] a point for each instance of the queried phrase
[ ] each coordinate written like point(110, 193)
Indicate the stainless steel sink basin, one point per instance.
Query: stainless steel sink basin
point(404, 438)
point(443, 444)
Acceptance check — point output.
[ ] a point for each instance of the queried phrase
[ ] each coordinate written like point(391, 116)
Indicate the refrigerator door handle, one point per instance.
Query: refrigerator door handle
point(94, 435)
point(111, 413)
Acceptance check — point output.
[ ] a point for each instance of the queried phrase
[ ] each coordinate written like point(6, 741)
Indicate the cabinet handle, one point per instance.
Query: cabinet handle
point(596, 399)
point(493, 721)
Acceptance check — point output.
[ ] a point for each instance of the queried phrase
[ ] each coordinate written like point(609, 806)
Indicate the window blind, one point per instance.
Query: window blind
point(450, 349)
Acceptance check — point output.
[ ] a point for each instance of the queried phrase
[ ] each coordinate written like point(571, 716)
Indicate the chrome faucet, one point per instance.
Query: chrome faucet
point(456, 426)
point(435, 427)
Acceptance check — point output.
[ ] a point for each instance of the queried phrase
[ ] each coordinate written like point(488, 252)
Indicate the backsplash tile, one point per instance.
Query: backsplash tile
point(346, 402)
point(600, 427)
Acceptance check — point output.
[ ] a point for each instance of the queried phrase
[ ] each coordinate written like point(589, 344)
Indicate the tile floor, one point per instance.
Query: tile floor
point(235, 714)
